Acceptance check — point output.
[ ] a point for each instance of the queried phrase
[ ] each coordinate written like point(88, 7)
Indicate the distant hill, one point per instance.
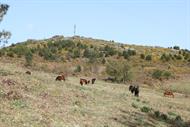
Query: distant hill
point(81, 56)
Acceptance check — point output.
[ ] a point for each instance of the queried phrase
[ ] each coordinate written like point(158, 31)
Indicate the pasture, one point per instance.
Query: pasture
point(44, 102)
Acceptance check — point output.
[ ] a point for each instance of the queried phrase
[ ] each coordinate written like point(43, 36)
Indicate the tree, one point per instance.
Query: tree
point(4, 35)
point(120, 71)
point(28, 58)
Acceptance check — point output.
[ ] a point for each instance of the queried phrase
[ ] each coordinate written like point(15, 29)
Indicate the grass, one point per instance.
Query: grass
point(181, 87)
point(46, 102)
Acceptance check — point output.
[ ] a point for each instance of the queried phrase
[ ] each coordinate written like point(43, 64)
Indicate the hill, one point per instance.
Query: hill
point(38, 100)
point(82, 56)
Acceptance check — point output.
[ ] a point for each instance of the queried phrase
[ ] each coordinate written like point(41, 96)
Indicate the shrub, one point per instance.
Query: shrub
point(164, 117)
point(157, 114)
point(142, 56)
point(109, 51)
point(126, 54)
point(134, 105)
point(166, 74)
point(28, 58)
point(47, 54)
point(78, 68)
point(120, 70)
point(176, 47)
point(178, 57)
point(165, 57)
point(148, 57)
point(145, 109)
point(91, 54)
point(157, 74)
point(103, 61)
point(76, 53)
point(10, 54)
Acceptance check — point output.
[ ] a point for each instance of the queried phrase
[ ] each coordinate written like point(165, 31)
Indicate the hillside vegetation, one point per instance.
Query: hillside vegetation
point(92, 57)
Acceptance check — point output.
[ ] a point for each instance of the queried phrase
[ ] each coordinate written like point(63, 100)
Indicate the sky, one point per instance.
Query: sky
point(162, 23)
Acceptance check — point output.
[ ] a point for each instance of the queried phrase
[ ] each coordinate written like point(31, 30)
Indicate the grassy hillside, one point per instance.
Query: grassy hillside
point(40, 101)
point(90, 57)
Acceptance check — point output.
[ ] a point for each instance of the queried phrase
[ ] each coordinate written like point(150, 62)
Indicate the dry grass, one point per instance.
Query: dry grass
point(45, 102)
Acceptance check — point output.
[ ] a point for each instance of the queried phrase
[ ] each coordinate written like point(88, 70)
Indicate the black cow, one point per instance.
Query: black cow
point(134, 89)
point(93, 80)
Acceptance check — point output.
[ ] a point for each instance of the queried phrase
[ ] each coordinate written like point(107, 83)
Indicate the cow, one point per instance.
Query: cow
point(93, 80)
point(28, 72)
point(134, 89)
point(60, 78)
point(83, 81)
point(168, 93)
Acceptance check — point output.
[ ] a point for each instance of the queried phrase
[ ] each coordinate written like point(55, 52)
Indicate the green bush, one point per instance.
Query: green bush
point(126, 54)
point(103, 61)
point(134, 105)
point(166, 74)
point(76, 53)
point(178, 57)
point(142, 56)
point(10, 54)
point(47, 54)
point(159, 74)
point(119, 70)
point(165, 57)
point(176, 47)
point(78, 68)
point(109, 51)
point(164, 117)
point(145, 109)
point(157, 114)
point(91, 54)
point(148, 57)
point(28, 58)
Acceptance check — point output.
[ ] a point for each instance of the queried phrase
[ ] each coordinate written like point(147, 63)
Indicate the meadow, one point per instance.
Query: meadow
point(43, 102)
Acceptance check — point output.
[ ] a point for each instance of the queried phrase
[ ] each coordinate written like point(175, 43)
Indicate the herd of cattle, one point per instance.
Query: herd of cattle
point(134, 89)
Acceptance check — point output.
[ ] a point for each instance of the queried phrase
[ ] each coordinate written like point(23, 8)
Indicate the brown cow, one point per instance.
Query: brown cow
point(83, 81)
point(168, 93)
point(60, 77)
point(28, 72)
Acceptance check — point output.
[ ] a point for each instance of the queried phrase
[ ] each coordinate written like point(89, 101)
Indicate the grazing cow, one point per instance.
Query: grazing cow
point(60, 77)
point(28, 72)
point(168, 93)
point(93, 80)
point(134, 89)
point(83, 81)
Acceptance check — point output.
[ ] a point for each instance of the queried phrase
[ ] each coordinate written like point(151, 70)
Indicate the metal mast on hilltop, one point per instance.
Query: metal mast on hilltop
point(75, 27)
